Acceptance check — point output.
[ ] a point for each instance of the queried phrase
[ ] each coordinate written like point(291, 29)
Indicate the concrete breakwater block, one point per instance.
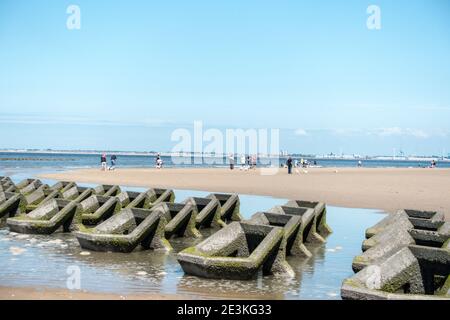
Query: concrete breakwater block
point(62, 186)
point(107, 190)
point(5, 182)
point(398, 230)
point(320, 212)
point(11, 204)
point(413, 272)
point(25, 186)
point(308, 222)
point(209, 212)
point(238, 251)
point(230, 206)
point(181, 219)
point(96, 209)
point(76, 193)
point(124, 231)
point(47, 218)
point(407, 256)
point(39, 196)
point(149, 198)
point(293, 230)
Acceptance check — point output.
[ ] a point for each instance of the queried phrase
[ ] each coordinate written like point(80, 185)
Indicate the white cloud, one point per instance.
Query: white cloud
point(396, 131)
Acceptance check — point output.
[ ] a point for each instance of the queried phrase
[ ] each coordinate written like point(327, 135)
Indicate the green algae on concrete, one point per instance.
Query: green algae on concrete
point(230, 206)
point(181, 219)
point(96, 209)
point(48, 218)
point(124, 231)
point(238, 251)
point(406, 257)
point(209, 212)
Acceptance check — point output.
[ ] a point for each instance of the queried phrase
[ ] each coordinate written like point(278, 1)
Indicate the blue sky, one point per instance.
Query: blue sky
point(136, 70)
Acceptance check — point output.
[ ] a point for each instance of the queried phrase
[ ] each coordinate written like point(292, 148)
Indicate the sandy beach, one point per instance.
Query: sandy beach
point(388, 189)
point(28, 293)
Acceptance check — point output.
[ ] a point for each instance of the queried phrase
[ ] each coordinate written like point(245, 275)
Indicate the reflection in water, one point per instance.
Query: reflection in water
point(40, 260)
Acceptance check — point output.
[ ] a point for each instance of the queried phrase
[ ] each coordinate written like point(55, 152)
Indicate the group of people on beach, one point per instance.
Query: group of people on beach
point(104, 164)
point(246, 162)
point(303, 163)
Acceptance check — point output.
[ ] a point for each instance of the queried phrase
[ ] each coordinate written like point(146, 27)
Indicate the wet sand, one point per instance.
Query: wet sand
point(27, 293)
point(387, 189)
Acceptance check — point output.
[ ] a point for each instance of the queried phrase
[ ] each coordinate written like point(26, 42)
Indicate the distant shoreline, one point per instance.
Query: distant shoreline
point(168, 154)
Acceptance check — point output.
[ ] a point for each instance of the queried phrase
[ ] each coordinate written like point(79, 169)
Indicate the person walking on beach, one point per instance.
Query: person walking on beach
point(254, 159)
point(103, 161)
point(359, 163)
point(231, 160)
point(113, 162)
point(289, 165)
point(242, 162)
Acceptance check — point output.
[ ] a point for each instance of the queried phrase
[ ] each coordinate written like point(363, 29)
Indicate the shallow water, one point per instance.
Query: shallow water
point(46, 261)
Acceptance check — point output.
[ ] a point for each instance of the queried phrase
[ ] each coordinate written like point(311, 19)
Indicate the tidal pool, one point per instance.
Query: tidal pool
point(46, 261)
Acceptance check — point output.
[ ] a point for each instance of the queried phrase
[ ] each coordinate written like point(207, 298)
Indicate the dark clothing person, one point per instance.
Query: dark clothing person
point(113, 162)
point(289, 165)
point(102, 159)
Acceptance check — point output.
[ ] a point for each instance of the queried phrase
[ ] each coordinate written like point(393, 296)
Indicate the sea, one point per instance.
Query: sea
point(13, 161)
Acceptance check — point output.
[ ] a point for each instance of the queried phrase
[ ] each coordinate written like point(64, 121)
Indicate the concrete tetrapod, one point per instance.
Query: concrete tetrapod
point(25, 186)
point(181, 219)
point(308, 225)
point(47, 218)
point(76, 193)
point(292, 225)
point(407, 256)
point(399, 230)
point(124, 231)
point(238, 251)
point(11, 204)
point(209, 212)
point(230, 206)
point(413, 272)
point(320, 212)
point(151, 197)
point(96, 209)
point(107, 190)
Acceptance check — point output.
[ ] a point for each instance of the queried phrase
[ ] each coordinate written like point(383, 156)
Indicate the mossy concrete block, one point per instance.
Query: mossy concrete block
point(411, 273)
point(209, 212)
point(126, 197)
point(107, 190)
point(27, 186)
point(425, 220)
point(398, 222)
point(230, 206)
point(151, 197)
point(11, 204)
point(181, 219)
point(320, 212)
point(388, 243)
point(76, 193)
point(238, 251)
point(293, 231)
point(62, 186)
point(308, 226)
point(124, 231)
point(96, 209)
point(48, 218)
